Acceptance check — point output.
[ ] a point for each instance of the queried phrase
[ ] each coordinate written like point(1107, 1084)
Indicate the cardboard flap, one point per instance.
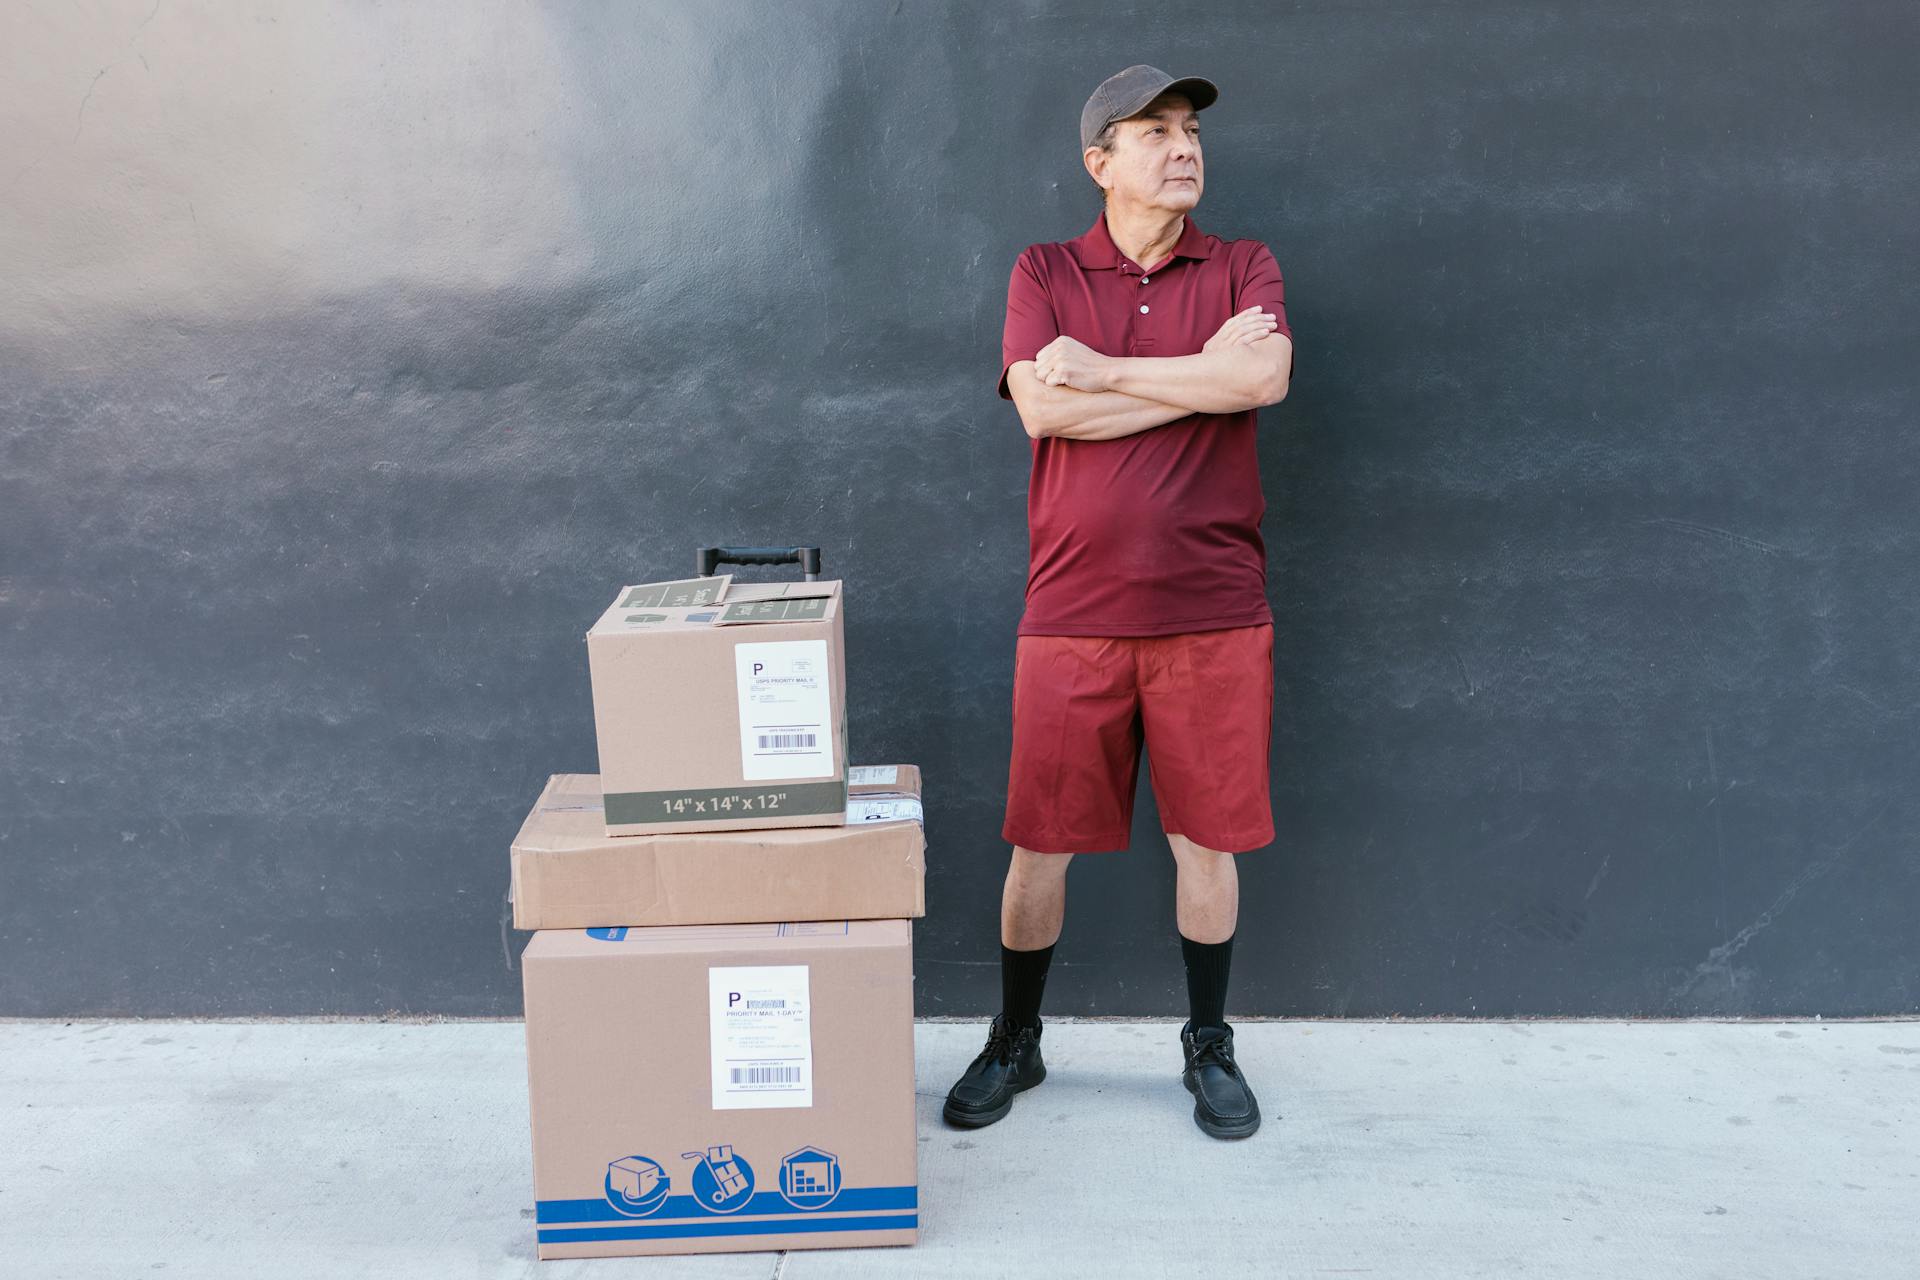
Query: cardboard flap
point(697, 603)
point(778, 602)
point(682, 593)
point(749, 591)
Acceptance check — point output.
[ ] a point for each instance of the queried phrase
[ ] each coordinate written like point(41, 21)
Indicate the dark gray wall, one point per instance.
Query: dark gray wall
point(354, 355)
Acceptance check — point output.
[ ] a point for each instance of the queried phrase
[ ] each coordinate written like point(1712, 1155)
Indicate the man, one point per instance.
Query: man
point(1137, 355)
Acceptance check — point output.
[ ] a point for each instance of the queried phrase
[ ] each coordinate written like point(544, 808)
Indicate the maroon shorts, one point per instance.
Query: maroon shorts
point(1082, 706)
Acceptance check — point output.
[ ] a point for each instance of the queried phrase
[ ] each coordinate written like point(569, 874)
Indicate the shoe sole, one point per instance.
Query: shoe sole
point(1215, 1129)
point(981, 1119)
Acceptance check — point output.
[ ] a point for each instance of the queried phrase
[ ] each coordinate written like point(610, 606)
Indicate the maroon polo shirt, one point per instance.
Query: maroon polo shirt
point(1157, 533)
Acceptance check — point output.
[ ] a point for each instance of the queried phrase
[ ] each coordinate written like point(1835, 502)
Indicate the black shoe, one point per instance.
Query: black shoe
point(1008, 1065)
point(1223, 1106)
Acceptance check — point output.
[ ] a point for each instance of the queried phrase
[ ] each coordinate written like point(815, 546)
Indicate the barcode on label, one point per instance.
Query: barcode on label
point(765, 1075)
point(787, 741)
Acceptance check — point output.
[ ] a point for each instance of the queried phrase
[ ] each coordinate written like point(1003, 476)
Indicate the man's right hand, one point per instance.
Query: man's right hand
point(1250, 325)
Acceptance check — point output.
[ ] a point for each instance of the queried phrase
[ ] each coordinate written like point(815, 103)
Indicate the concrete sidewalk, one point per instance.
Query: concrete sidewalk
point(1396, 1150)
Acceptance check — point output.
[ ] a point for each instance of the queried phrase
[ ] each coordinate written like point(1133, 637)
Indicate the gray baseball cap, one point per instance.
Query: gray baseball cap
point(1129, 92)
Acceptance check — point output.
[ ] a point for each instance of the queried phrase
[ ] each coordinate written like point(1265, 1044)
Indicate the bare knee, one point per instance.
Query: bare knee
point(1193, 859)
point(1033, 907)
point(1033, 868)
point(1207, 898)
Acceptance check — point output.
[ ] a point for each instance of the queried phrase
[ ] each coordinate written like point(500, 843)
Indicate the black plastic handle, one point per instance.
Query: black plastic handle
point(707, 559)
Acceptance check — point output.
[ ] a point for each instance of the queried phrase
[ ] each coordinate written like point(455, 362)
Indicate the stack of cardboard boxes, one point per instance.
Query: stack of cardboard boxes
point(719, 999)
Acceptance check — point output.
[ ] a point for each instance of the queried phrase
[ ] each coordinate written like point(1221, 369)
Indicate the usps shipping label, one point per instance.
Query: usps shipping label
point(889, 809)
point(786, 710)
point(761, 1036)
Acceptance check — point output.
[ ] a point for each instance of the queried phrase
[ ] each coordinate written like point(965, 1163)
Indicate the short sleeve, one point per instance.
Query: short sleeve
point(1030, 323)
point(1259, 285)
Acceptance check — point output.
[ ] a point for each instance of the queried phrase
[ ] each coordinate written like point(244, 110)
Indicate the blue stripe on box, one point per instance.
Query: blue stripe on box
point(850, 1200)
point(727, 1227)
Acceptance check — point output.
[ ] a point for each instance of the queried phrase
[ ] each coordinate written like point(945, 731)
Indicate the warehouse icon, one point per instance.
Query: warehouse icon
point(810, 1178)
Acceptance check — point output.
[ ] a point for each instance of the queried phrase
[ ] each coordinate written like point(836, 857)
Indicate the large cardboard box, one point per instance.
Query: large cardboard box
point(713, 1088)
point(721, 707)
point(569, 874)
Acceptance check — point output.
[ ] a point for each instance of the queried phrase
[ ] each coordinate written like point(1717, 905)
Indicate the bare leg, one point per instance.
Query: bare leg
point(1206, 894)
point(1032, 907)
point(1207, 905)
point(1034, 902)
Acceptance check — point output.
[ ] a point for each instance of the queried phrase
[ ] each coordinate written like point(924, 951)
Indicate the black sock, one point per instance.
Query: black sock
point(1207, 966)
point(1023, 976)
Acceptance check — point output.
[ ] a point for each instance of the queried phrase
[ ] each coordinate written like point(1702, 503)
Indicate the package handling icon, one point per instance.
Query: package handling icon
point(723, 1181)
point(636, 1186)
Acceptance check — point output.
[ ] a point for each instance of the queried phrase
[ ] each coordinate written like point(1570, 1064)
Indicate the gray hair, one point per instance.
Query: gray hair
point(1105, 142)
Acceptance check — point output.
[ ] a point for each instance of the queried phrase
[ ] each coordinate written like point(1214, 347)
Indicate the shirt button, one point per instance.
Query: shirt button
point(1143, 308)
point(1146, 279)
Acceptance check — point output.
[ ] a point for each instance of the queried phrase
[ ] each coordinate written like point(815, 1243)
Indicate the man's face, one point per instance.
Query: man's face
point(1155, 161)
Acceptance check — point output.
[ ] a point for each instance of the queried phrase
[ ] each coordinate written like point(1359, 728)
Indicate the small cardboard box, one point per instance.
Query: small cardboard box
point(721, 707)
point(717, 1088)
point(569, 874)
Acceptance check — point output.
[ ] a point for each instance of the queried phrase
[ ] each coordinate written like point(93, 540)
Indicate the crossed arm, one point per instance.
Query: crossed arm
point(1071, 391)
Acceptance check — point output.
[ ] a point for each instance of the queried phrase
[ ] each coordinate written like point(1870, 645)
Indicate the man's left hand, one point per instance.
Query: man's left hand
point(1066, 363)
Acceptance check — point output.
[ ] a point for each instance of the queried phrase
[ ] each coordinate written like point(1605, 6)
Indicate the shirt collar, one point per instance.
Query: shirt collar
point(1096, 250)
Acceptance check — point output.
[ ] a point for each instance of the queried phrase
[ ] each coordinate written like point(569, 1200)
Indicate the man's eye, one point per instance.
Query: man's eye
point(1156, 129)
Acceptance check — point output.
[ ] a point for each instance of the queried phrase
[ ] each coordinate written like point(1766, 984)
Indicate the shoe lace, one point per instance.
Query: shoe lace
point(1000, 1043)
point(1218, 1053)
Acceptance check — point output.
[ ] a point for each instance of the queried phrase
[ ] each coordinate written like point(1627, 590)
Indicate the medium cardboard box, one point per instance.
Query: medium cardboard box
point(711, 1088)
point(569, 874)
point(721, 707)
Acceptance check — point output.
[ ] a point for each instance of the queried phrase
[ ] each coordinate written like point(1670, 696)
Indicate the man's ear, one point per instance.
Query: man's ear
point(1096, 161)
